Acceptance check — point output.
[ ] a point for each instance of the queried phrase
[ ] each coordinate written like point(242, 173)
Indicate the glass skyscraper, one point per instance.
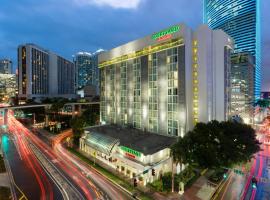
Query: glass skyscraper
point(87, 72)
point(241, 20)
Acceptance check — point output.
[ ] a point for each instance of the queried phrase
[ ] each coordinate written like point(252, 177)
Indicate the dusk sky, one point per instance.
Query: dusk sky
point(69, 26)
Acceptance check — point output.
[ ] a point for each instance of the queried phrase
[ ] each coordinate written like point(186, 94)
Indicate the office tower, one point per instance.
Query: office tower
point(84, 68)
point(167, 82)
point(87, 71)
point(240, 19)
point(42, 74)
point(242, 84)
point(5, 66)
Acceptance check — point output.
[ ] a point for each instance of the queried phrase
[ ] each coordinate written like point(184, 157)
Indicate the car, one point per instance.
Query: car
point(254, 182)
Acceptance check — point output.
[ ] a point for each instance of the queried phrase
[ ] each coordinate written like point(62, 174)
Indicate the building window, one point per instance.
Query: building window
point(153, 93)
point(172, 73)
point(102, 95)
point(123, 93)
point(112, 99)
point(137, 93)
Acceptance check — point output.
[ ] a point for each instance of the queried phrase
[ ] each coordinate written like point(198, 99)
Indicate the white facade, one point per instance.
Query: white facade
point(132, 165)
point(39, 73)
point(213, 59)
point(201, 80)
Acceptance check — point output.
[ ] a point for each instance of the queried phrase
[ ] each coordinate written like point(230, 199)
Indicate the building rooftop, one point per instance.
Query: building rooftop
point(144, 142)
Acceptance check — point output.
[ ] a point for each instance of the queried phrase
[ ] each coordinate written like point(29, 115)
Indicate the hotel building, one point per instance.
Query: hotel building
point(154, 87)
point(42, 73)
point(166, 82)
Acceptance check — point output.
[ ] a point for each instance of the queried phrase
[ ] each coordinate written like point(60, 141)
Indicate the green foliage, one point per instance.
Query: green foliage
point(157, 185)
point(91, 117)
point(164, 184)
point(122, 182)
point(58, 105)
point(217, 144)
point(5, 193)
point(57, 99)
point(263, 103)
point(77, 124)
point(218, 175)
point(185, 176)
point(2, 165)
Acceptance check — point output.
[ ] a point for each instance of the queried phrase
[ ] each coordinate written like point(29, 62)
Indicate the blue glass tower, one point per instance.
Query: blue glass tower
point(241, 20)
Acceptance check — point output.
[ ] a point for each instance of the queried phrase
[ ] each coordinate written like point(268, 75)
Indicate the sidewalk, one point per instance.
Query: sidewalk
point(200, 190)
point(145, 190)
point(4, 180)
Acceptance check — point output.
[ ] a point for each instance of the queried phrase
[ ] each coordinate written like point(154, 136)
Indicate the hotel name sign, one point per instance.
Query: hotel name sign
point(130, 151)
point(166, 34)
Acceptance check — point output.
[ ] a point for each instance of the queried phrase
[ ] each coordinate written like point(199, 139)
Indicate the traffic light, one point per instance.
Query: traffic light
point(254, 182)
point(225, 176)
point(135, 182)
point(153, 172)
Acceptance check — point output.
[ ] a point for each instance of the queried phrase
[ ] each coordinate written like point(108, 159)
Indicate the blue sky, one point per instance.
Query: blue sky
point(69, 26)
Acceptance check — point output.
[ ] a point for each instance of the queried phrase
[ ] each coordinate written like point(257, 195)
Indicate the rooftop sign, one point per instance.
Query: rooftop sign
point(130, 151)
point(166, 34)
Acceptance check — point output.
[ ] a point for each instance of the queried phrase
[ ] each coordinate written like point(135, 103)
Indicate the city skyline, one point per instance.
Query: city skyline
point(98, 26)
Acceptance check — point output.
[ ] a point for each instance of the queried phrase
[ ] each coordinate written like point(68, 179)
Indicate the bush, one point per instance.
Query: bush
point(5, 193)
point(185, 176)
point(217, 176)
point(165, 183)
point(2, 165)
point(157, 185)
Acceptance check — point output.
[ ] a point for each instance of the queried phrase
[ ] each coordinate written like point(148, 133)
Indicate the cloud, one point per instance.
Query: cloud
point(117, 4)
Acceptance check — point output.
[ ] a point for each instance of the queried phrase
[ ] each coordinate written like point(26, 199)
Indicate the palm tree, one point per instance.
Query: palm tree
point(178, 154)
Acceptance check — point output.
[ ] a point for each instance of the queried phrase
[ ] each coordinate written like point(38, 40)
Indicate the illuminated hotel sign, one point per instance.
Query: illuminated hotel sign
point(166, 34)
point(130, 151)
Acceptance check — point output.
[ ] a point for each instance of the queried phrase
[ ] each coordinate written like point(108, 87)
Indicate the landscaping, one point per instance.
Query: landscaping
point(5, 193)
point(2, 165)
point(218, 175)
point(109, 175)
point(164, 184)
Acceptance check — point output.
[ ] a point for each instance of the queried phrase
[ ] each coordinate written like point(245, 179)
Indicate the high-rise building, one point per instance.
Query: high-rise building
point(84, 68)
point(242, 84)
point(240, 19)
point(8, 87)
point(87, 71)
point(5, 66)
point(167, 82)
point(42, 73)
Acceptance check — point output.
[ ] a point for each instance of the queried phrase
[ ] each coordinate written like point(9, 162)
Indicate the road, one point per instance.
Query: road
point(240, 186)
point(29, 179)
point(110, 189)
point(80, 178)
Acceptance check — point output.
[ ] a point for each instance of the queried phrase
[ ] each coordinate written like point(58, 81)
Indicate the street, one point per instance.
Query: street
point(72, 176)
point(241, 187)
point(30, 180)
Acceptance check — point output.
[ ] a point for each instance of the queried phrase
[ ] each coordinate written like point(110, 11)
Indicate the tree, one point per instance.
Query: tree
point(217, 144)
point(91, 117)
point(263, 103)
point(77, 124)
point(178, 154)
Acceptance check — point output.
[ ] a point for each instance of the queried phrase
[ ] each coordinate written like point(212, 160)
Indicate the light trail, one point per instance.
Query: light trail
point(70, 170)
point(86, 169)
point(30, 160)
